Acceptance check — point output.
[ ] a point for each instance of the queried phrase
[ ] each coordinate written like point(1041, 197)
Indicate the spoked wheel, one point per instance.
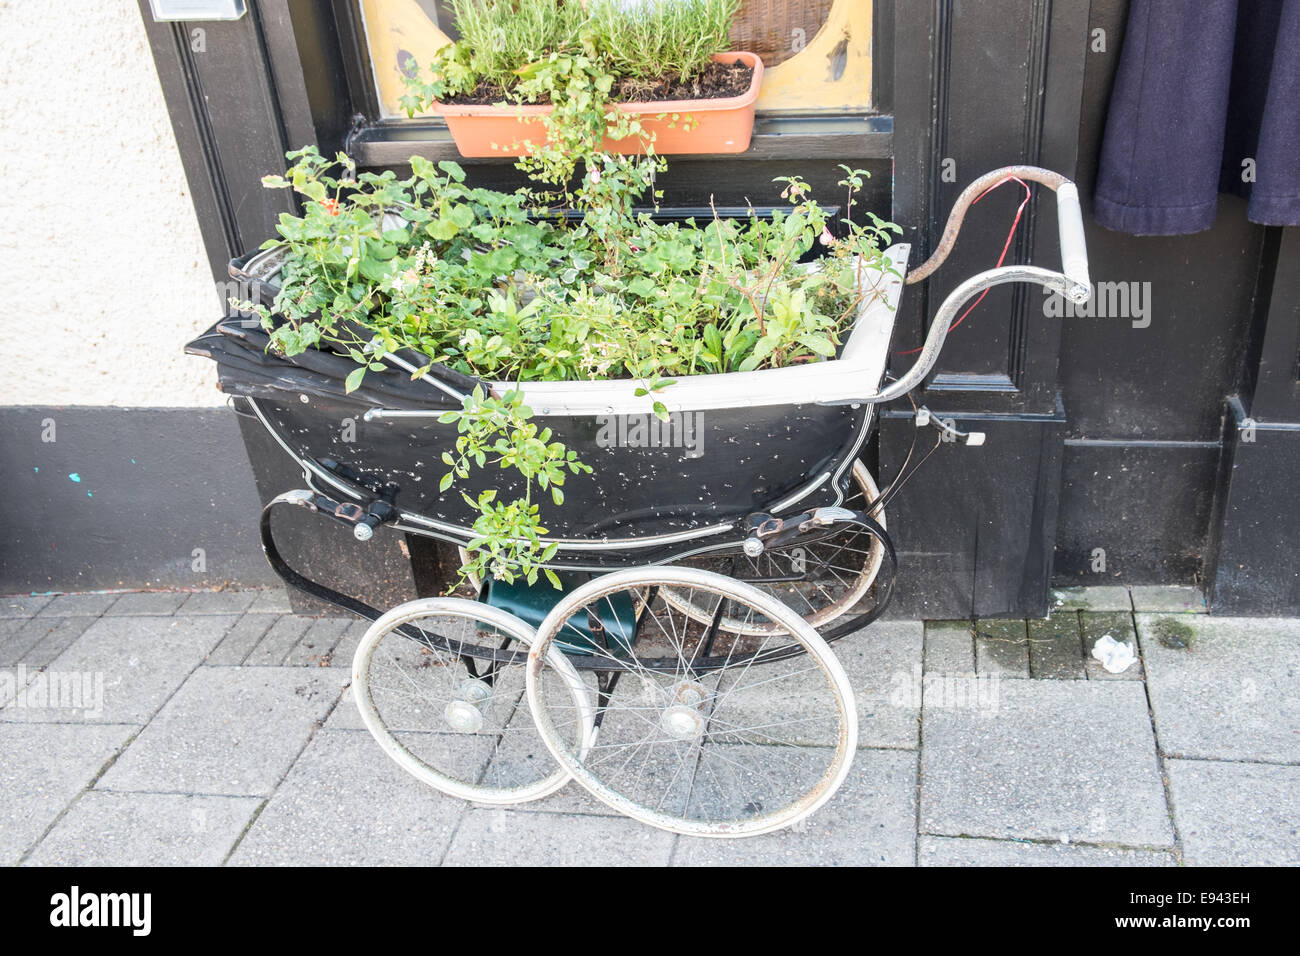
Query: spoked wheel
point(699, 730)
point(821, 579)
point(440, 684)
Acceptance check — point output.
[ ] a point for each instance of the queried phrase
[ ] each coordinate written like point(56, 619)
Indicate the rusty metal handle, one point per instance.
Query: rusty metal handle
point(1074, 255)
point(1072, 282)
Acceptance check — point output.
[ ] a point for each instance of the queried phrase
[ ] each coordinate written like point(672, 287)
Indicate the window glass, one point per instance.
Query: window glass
point(816, 53)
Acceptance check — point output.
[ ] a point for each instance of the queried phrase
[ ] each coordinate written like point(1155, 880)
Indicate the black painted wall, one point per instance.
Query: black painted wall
point(125, 497)
point(1146, 406)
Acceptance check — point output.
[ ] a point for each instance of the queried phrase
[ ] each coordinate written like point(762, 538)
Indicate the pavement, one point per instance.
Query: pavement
point(216, 728)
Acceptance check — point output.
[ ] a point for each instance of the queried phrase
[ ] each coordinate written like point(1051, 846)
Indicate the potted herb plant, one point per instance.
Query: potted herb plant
point(650, 75)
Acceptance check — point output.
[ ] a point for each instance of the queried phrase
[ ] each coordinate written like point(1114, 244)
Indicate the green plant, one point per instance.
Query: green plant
point(508, 535)
point(651, 39)
point(499, 36)
point(640, 39)
point(481, 282)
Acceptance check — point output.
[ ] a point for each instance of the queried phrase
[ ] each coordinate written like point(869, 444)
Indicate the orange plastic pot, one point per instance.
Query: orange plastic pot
point(720, 125)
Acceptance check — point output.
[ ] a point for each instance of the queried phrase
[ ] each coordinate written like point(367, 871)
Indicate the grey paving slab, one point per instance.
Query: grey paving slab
point(228, 730)
point(870, 821)
point(42, 768)
point(145, 829)
point(79, 605)
point(57, 635)
point(1055, 649)
point(19, 636)
point(883, 664)
point(571, 799)
point(23, 605)
point(1172, 600)
point(971, 851)
point(316, 647)
point(346, 648)
point(143, 603)
point(345, 716)
point(1231, 692)
point(345, 803)
point(1104, 597)
point(128, 665)
point(500, 836)
point(1002, 647)
point(1236, 814)
point(270, 601)
point(278, 642)
point(219, 602)
point(949, 647)
point(1119, 625)
point(1058, 758)
point(240, 639)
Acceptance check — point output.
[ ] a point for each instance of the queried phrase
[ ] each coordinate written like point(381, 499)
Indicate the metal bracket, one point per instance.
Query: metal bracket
point(949, 431)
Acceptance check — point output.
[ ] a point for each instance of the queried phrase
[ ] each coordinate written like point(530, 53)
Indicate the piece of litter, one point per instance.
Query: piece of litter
point(1115, 656)
point(74, 476)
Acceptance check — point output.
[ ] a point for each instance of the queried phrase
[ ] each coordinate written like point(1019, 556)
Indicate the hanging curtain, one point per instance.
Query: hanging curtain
point(1206, 100)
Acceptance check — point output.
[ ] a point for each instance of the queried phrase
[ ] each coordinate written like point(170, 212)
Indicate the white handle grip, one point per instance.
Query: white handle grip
point(1074, 250)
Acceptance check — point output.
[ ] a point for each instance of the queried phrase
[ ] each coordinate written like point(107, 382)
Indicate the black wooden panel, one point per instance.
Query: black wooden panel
point(971, 541)
point(1257, 572)
point(692, 183)
point(983, 66)
point(1147, 507)
point(1277, 391)
point(227, 116)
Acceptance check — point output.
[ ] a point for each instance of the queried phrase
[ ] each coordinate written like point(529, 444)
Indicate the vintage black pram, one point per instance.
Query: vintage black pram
point(696, 550)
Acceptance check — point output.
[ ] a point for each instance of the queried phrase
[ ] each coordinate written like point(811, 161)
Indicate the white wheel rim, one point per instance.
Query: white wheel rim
point(546, 654)
point(833, 609)
point(476, 613)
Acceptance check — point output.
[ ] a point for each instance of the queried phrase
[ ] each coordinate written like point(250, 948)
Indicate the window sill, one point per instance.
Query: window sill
point(393, 142)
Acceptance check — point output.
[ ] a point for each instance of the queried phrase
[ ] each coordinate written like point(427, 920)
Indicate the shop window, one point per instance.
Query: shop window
point(816, 53)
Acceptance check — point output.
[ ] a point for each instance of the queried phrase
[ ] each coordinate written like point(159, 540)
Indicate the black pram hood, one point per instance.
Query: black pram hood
point(246, 368)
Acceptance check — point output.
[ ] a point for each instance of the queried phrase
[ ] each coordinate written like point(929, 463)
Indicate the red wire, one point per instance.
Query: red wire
point(1007, 245)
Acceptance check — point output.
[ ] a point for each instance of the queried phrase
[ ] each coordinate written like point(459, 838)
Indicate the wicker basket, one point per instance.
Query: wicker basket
point(767, 27)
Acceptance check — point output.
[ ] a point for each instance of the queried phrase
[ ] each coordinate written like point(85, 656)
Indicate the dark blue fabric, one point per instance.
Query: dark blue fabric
point(1202, 88)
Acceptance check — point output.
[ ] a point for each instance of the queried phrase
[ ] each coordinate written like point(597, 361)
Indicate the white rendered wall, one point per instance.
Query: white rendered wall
point(104, 267)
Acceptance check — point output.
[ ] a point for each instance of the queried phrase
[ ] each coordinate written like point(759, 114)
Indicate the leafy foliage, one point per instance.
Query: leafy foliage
point(498, 286)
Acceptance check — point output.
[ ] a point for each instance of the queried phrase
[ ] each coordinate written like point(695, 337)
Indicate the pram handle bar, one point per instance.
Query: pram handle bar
point(1074, 253)
point(1072, 282)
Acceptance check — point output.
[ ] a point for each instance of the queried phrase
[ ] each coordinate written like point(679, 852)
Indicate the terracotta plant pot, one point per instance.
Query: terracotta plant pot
point(720, 125)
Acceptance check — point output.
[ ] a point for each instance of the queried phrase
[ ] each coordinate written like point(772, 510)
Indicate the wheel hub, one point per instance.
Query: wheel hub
point(689, 692)
point(682, 722)
point(475, 691)
point(464, 717)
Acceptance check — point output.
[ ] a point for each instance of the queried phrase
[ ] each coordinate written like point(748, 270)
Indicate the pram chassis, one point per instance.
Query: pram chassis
point(757, 514)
